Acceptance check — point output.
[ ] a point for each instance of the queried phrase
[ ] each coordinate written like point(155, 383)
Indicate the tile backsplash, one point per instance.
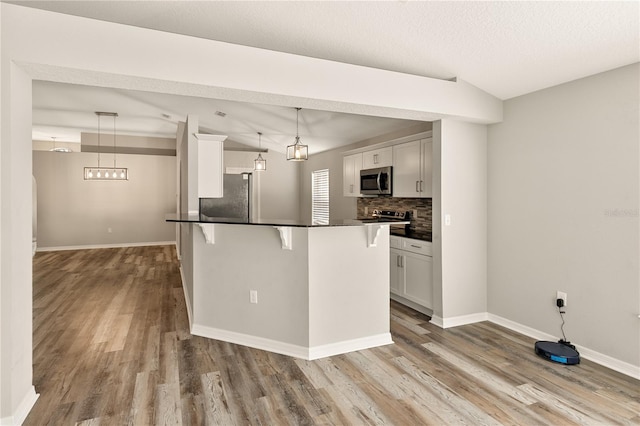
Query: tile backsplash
point(422, 205)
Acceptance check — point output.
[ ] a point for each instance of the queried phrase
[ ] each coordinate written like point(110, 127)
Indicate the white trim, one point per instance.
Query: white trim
point(597, 357)
point(422, 135)
point(343, 347)
point(238, 170)
point(286, 237)
point(186, 298)
point(459, 320)
point(100, 246)
point(413, 305)
point(251, 341)
point(289, 349)
point(23, 409)
point(209, 232)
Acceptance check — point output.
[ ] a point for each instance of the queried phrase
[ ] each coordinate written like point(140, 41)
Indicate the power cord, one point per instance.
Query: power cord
point(564, 341)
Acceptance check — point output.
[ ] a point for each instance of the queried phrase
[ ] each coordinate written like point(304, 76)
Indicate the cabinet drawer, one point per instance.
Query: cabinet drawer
point(416, 246)
point(395, 242)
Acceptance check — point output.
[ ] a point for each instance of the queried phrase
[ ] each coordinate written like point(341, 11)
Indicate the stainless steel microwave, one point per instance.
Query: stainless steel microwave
point(375, 181)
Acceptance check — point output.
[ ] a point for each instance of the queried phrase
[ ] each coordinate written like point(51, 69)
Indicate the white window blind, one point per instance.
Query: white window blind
point(320, 197)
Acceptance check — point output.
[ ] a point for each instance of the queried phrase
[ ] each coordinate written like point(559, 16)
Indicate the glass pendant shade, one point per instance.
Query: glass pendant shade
point(297, 151)
point(259, 164)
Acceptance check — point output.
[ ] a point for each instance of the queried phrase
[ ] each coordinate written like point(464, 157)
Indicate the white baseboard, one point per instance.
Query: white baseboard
point(23, 409)
point(251, 341)
point(101, 246)
point(289, 349)
point(186, 299)
point(459, 320)
point(339, 348)
point(597, 357)
point(413, 305)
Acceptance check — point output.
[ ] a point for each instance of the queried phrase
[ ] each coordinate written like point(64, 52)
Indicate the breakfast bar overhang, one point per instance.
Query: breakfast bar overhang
point(294, 288)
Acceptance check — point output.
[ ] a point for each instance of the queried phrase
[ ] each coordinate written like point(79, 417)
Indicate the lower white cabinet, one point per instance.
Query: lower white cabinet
point(411, 269)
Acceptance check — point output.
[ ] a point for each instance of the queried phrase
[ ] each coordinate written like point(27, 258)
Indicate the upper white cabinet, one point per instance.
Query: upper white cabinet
point(351, 166)
point(210, 165)
point(412, 169)
point(382, 157)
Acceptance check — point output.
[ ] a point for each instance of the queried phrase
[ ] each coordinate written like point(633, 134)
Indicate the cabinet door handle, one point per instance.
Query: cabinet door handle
point(398, 261)
point(351, 188)
point(375, 158)
point(415, 246)
point(421, 190)
point(417, 186)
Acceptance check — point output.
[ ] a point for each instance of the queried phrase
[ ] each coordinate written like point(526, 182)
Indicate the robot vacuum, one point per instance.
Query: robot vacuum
point(558, 352)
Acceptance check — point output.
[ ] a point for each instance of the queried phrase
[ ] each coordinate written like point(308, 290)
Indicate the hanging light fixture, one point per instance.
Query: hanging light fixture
point(259, 164)
point(106, 173)
point(297, 151)
point(58, 148)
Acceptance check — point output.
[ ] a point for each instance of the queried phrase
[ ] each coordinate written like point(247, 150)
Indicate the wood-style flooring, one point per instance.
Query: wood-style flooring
point(112, 347)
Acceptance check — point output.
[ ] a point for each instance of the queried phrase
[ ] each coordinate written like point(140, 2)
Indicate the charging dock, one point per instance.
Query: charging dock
point(557, 352)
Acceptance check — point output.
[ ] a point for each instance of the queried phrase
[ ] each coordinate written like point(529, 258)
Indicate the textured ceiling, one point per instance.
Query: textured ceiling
point(505, 48)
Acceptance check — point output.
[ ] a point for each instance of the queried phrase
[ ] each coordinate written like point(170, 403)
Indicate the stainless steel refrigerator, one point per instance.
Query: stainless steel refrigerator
point(236, 203)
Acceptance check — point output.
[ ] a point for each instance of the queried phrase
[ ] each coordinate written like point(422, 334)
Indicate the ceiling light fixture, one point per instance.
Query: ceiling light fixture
point(58, 148)
point(106, 173)
point(259, 164)
point(297, 151)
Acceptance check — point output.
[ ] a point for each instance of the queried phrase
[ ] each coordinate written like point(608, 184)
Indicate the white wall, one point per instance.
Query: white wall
point(277, 187)
point(73, 212)
point(18, 394)
point(460, 249)
point(563, 212)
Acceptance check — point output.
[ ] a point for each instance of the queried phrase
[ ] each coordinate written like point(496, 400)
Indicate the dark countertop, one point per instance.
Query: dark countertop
point(194, 218)
point(400, 231)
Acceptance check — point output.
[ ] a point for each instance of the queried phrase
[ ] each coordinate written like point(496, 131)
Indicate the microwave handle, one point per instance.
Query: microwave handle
point(378, 181)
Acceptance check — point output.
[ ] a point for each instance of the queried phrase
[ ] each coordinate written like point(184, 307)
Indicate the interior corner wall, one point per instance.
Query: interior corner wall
point(277, 186)
point(17, 391)
point(563, 206)
point(460, 247)
point(73, 212)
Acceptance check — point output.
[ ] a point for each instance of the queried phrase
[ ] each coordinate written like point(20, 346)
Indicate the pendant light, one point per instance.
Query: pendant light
point(106, 173)
point(58, 148)
point(297, 151)
point(259, 164)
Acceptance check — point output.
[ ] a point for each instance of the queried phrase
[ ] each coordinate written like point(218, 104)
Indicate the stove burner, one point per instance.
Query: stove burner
point(390, 214)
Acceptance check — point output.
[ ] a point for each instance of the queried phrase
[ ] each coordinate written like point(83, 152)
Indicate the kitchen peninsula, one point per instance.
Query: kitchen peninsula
point(290, 287)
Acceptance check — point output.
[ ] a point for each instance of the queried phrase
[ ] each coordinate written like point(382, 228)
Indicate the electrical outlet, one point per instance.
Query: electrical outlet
point(563, 296)
point(253, 296)
point(415, 213)
point(447, 220)
point(109, 230)
point(366, 211)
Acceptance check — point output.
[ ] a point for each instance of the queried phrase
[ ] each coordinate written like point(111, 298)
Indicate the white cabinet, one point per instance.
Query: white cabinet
point(210, 165)
point(382, 157)
point(412, 169)
point(351, 166)
point(411, 271)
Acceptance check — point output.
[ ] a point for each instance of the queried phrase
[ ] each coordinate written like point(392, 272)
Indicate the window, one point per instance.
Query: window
point(320, 197)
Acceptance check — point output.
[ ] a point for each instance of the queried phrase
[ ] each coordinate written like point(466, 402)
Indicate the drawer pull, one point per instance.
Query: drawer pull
point(415, 246)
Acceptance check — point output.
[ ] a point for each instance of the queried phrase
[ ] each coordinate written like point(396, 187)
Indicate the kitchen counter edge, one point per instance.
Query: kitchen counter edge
point(191, 218)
